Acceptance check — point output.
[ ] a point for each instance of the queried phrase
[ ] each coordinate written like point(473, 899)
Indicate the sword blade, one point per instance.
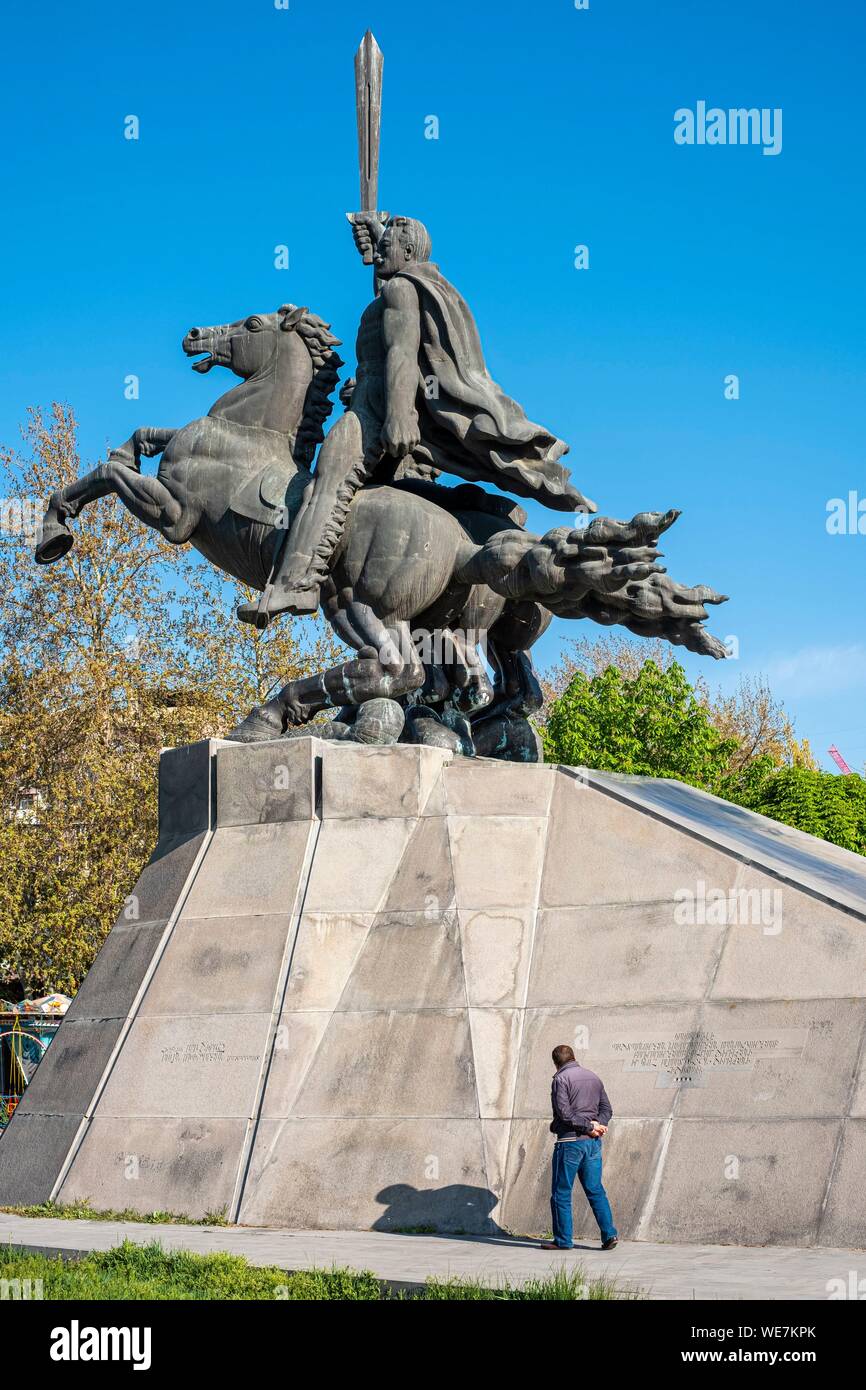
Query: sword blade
point(368, 104)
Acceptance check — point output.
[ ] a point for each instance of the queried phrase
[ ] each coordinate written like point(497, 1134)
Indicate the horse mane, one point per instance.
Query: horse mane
point(320, 344)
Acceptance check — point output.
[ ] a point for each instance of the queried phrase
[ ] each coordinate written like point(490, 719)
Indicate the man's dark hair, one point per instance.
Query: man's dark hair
point(563, 1054)
point(414, 232)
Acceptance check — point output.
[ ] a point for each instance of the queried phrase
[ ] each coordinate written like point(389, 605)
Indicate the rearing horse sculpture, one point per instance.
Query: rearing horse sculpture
point(416, 558)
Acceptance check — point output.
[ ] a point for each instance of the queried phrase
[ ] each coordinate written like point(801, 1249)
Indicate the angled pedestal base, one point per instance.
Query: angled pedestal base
point(332, 998)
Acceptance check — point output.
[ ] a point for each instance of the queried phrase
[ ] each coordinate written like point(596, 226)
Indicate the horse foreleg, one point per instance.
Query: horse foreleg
point(147, 498)
point(146, 442)
point(56, 538)
point(174, 516)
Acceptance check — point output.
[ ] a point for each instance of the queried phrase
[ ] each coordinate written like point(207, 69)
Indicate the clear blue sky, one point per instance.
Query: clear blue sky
point(556, 128)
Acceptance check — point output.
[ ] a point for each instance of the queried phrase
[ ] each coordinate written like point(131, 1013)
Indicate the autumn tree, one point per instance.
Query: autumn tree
point(124, 647)
point(758, 723)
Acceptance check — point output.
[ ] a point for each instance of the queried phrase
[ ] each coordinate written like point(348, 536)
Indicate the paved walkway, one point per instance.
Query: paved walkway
point(660, 1271)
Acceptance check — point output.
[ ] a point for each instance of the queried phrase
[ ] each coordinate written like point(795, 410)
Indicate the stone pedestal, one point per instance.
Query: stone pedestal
point(332, 997)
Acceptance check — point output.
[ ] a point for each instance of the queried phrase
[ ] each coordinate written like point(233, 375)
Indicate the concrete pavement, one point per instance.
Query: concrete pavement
point(703, 1272)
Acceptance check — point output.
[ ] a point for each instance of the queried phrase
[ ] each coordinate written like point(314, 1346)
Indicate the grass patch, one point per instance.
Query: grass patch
point(570, 1286)
point(149, 1273)
point(83, 1211)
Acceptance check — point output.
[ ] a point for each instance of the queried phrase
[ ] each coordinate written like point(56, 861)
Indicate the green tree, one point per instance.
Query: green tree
point(649, 720)
point(751, 716)
point(822, 803)
point(651, 724)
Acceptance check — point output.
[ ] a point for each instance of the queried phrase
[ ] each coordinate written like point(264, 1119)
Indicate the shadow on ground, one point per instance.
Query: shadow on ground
point(454, 1210)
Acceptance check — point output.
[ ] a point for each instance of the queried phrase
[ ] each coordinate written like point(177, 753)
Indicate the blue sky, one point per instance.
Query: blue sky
point(555, 129)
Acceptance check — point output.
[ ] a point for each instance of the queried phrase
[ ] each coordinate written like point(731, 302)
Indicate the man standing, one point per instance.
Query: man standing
point(581, 1113)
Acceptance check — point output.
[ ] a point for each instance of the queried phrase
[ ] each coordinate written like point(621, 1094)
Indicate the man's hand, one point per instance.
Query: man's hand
point(366, 231)
point(597, 1130)
point(401, 434)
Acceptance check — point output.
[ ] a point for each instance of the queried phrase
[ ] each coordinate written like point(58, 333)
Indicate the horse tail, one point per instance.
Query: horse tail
point(606, 572)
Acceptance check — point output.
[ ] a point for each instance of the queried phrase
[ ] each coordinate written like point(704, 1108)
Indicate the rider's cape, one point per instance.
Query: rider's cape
point(473, 429)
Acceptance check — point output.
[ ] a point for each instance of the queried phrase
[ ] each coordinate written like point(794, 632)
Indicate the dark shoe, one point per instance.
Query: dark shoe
point(610, 1244)
point(274, 601)
point(552, 1245)
point(298, 601)
point(303, 599)
point(262, 610)
point(253, 613)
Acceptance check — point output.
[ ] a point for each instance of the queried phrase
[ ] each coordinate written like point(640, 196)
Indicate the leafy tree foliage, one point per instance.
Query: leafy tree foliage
point(648, 719)
point(652, 724)
point(822, 803)
point(751, 716)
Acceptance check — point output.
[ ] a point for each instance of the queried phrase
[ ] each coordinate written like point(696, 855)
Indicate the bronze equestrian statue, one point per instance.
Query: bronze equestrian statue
point(395, 560)
point(422, 390)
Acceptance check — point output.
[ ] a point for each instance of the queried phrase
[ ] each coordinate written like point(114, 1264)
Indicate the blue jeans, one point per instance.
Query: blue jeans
point(580, 1158)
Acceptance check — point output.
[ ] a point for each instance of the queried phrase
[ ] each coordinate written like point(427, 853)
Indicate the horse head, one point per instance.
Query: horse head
point(288, 363)
point(247, 347)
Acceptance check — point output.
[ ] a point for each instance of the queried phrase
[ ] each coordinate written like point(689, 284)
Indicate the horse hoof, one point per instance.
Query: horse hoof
point(56, 541)
point(378, 722)
point(476, 694)
point(258, 727)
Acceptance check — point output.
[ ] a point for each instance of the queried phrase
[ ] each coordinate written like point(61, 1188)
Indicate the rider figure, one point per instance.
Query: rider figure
point(423, 390)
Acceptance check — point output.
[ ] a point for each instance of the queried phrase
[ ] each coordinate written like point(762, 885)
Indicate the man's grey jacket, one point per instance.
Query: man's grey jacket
point(577, 1097)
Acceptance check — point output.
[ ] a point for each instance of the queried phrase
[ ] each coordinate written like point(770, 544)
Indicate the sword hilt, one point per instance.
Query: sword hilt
point(359, 219)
